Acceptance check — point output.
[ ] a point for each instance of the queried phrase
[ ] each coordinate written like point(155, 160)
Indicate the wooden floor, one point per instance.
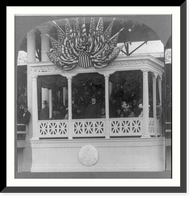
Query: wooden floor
point(98, 175)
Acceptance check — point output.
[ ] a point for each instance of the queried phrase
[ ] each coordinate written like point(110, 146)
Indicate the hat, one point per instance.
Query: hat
point(45, 102)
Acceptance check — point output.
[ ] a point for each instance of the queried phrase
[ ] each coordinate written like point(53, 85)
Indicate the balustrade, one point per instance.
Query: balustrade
point(53, 128)
point(126, 127)
point(118, 127)
point(88, 128)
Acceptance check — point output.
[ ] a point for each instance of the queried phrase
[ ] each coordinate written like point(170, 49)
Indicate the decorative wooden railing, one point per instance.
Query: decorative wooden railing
point(53, 128)
point(96, 128)
point(154, 127)
point(126, 127)
point(88, 128)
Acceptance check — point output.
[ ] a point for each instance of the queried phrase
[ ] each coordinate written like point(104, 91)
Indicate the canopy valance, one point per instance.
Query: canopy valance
point(128, 76)
point(94, 78)
point(52, 81)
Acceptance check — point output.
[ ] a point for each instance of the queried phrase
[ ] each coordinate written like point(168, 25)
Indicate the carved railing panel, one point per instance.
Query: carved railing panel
point(88, 128)
point(96, 127)
point(158, 127)
point(126, 127)
point(53, 128)
point(154, 127)
point(151, 126)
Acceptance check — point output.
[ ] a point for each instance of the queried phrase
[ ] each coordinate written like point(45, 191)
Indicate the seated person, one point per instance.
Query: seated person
point(44, 112)
point(20, 113)
point(118, 112)
point(127, 112)
point(25, 117)
point(102, 113)
point(57, 114)
point(78, 114)
point(63, 111)
point(93, 110)
point(158, 111)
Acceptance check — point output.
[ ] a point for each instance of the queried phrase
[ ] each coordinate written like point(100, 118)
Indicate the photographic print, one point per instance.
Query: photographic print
point(93, 97)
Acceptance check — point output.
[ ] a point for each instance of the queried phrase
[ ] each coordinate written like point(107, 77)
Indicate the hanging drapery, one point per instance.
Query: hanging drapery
point(128, 76)
point(57, 80)
point(81, 79)
point(50, 82)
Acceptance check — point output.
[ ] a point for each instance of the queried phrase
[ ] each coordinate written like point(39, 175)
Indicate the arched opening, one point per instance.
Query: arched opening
point(122, 73)
point(137, 38)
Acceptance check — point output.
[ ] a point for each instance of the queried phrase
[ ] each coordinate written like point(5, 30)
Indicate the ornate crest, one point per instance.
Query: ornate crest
point(75, 47)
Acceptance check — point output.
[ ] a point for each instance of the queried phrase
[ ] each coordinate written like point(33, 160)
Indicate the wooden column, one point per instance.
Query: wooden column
point(160, 88)
point(70, 106)
point(145, 133)
point(50, 104)
point(31, 58)
point(34, 108)
point(107, 105)
point(45, 43)
point(45, 47)
point(154, 99)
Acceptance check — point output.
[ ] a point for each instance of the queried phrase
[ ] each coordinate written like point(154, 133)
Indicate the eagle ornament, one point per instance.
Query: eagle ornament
point(75, 47)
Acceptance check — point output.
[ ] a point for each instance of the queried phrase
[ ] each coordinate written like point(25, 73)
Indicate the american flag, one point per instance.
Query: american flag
point(76, 47)
point(68, 29)
point(76, 30)
point(83, 33)
point(60, 33)
point(107, 32)
point(84, 59)
point(55, 44)
point(99, 32)
point(92, 27)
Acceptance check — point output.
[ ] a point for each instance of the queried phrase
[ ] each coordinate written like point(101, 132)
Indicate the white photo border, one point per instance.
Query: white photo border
point(37, 11)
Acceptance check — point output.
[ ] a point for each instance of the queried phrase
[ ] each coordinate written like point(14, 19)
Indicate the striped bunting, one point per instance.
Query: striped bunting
point(84, 60)
point(77, 47)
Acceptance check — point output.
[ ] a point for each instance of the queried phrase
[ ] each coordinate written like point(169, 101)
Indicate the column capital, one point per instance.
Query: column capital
point(145, 71)
point(154, 75)
point(69, 76)
point(34, 76)
point(106, 76)
point(159, 77)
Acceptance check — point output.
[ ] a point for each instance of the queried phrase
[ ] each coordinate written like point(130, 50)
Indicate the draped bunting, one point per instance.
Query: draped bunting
point(50, 82)
point(81, 79)
point(57, 80)
point(128, 76)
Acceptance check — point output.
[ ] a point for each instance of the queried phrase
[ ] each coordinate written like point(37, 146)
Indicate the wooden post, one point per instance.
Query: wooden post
point(31, 58)
point(107, 105)
point(50, 104)
point(145, 133)
point(154, 100)
point(35, 133)
point(45, 44)
point(70, 106)
point(160, 88)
